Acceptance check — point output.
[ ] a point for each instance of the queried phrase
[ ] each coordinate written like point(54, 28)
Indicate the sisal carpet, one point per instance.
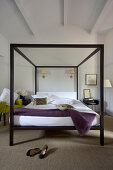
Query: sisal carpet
point(67, 150)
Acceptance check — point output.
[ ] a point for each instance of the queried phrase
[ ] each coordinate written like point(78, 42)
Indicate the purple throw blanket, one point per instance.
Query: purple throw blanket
point(81, 120)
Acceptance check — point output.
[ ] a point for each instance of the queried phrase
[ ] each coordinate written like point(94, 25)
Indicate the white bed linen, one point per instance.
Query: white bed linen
point(70, 95)
point(52, 121)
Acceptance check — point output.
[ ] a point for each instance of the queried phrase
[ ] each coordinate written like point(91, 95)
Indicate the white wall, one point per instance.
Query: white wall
point(89, 67)
point(56, 80)
point(24, 73)
point(107, 39)
point(63, 34)
point(4, 63)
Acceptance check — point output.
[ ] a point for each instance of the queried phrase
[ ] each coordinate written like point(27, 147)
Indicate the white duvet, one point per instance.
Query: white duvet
point(52, 121)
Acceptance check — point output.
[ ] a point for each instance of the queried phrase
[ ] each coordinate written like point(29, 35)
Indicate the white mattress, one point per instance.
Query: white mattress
point(52, 121)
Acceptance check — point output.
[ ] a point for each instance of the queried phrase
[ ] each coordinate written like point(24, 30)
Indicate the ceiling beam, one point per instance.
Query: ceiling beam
point(65, 12)
point(26, 18)
point(102, 16)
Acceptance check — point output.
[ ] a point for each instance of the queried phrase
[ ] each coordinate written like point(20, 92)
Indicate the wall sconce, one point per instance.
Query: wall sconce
point(71, 73)
point(43, 72)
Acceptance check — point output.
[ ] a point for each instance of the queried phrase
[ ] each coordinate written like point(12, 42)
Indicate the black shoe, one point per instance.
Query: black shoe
point(33, 152)
point(43, 152)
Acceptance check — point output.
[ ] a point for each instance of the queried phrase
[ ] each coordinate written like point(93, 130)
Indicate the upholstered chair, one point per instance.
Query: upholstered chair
point(4, 108)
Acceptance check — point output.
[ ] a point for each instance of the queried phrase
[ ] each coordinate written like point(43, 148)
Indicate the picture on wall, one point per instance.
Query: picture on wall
point(91, 79)
point(87, 94)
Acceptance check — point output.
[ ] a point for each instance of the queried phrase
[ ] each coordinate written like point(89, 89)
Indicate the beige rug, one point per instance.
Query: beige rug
point(67, 150)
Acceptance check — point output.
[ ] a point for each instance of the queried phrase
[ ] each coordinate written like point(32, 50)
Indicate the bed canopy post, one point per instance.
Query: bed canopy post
point(35, 79)
point(102, 95)
point(11, 93)
point(77, 81)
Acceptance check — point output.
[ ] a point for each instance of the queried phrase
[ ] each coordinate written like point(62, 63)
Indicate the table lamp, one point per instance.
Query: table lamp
point(107, 84)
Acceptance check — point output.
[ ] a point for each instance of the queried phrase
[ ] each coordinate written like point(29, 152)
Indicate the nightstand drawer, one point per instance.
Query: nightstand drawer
point(91, 101)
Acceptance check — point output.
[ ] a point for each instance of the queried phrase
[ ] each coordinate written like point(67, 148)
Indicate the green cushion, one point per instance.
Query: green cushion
point(6, 109)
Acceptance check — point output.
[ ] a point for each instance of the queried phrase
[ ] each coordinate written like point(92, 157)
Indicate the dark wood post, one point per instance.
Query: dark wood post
point(77, 81)
point(35, 80)
point(102, 95)
point(11, 93)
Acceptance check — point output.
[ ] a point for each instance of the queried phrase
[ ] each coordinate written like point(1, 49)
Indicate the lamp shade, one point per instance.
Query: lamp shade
point(107, 83)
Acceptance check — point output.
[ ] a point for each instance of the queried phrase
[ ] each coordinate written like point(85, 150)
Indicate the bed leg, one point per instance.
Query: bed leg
point(4, 116)
point(101, 137)
point(11, 136)
point(0, 116)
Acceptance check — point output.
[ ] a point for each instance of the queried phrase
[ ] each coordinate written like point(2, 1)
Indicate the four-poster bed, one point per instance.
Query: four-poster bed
point(16, 47)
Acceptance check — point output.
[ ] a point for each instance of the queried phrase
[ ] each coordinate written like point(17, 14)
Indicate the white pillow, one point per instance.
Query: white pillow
point(34, 96)
point(57, 100)
point(54, 97)
point(5, 96)
point(42, 95)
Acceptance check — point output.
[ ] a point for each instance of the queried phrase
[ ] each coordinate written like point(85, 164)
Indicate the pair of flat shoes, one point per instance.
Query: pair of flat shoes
point(35, 151)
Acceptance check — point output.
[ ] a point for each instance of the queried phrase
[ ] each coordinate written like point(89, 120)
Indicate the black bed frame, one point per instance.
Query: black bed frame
point(16, 47)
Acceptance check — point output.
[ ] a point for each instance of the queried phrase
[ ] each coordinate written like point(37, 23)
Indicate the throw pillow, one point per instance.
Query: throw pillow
point(39, 101)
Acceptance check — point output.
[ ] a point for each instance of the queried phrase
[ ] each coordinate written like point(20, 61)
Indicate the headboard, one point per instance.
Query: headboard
point(71, 95)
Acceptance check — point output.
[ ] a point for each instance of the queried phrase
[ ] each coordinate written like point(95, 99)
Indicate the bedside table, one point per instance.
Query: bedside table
point(91, 102)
